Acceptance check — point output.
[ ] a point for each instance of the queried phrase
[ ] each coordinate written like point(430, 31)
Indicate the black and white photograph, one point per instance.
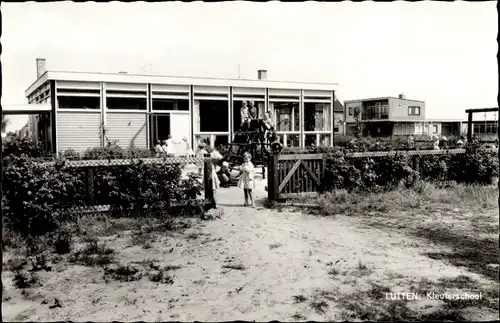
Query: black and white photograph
point(250, 161)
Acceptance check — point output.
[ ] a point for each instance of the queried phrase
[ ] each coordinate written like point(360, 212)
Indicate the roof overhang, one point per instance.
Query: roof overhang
point(26, 109)
point(175, 80)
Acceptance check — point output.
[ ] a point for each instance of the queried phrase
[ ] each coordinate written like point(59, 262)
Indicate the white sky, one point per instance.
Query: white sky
point(439, 52)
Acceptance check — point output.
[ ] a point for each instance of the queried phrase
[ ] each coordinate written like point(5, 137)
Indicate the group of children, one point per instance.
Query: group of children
point(250, 113)
point(166, 147)
point(223, 178)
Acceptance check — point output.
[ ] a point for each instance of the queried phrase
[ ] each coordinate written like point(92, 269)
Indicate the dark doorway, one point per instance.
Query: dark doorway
point(214, 116)
point(160, 128)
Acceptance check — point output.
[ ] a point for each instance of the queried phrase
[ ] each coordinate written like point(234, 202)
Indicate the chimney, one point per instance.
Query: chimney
point(262, 74)
point(402, 96)
point(40, 67)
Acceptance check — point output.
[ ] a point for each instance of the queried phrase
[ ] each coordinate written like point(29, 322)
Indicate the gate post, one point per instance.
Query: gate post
point(207, 180)
point(416, 168)
point(272, 177)
point(90, 186)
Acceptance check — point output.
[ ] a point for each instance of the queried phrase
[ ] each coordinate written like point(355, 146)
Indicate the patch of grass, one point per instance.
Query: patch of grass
point(93, 254)
point(124, 273)
point(22, 279)
point(361, 266)
point(299, 317)
point(172, 267)
point(161, 277)
point(362, 269)
point(319, 306)
point(299, 298)
point(274, 245)
point(144, 239)
point(11, 240)
point(333, 272)
point(378, 292)
point(234, 266)
point(421, 195)
point(62, 242)
point(16, 264)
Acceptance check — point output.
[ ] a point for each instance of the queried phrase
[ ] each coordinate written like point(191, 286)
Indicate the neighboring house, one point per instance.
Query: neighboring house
point(91, 109)
point(397, 116)
point(486, 129)
point(338, 117)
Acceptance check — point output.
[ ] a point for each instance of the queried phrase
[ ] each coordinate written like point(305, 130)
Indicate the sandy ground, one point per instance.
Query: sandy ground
point(251, 264)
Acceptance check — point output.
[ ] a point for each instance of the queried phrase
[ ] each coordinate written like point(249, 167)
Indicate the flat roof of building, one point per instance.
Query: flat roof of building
point(26, 108)
point(174, 80)
point(382, 98)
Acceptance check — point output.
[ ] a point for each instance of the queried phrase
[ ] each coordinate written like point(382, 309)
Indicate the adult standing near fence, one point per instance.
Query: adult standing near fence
point(158, 149)
point(435, 139)
point(201, 154)
point(411, 142)
point(187, 148)
point(164, 148)
point(215, 179)
point(170, 146)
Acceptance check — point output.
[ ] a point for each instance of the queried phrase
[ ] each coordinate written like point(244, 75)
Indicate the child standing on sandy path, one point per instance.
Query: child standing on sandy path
point(246, 181)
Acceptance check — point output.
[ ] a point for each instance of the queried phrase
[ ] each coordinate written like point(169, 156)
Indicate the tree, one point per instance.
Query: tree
point(358, 128)
point(5, 122)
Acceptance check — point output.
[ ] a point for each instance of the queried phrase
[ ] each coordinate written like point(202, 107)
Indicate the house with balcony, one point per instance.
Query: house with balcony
point(396, 116)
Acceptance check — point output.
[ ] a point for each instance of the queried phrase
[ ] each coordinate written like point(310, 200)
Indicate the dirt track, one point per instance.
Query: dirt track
point(251, 264)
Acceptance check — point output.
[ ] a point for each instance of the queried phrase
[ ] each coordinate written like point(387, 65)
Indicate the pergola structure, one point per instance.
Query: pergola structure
point(469, 119)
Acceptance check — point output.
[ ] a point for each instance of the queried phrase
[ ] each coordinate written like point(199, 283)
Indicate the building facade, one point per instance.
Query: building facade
point(398, 116)
point(92, 109)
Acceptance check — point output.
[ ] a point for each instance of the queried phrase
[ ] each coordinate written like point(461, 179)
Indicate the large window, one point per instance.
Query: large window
point(317, 116)
point(292, 140)
point(170, 105)
point(487, 128)
point(287, 116)
point(211, 116)
point(378, 110)
point(124, 103)
point(75, 102)
point(237, 104)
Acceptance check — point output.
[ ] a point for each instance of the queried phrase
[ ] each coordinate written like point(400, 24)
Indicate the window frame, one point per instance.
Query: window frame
point(412, 110)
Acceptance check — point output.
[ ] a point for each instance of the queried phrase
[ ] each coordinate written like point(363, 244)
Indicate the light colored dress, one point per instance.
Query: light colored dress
point(215, 178)
point(170, 147)
point(246, 180)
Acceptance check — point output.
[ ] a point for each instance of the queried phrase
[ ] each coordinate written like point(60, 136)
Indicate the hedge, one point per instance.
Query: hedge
point(38, 198)
point(477, 165)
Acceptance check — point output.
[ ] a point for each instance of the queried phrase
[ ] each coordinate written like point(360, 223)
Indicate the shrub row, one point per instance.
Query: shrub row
point(38, 198)
point(476, 166)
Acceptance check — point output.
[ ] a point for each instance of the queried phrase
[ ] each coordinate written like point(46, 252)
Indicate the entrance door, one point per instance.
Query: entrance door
point(160, 128)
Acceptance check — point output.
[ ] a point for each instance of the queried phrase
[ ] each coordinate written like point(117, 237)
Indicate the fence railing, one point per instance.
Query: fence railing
point(294, 175)
point(91, 166)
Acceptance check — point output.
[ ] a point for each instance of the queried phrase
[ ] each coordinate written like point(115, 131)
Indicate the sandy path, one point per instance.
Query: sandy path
point(283, 254)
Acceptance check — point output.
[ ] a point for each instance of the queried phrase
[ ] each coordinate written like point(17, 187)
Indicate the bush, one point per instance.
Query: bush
point(110, 151)
point(23, 145)
point(476, 165)
point(38, 195)
point(156, 186)
point(71, 154)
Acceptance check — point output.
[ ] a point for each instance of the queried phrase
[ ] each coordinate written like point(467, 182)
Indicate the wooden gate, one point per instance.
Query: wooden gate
point(291, 176)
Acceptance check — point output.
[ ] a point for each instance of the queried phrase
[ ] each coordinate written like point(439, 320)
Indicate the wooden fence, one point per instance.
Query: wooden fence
point(90, 167)
point(300, 175)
